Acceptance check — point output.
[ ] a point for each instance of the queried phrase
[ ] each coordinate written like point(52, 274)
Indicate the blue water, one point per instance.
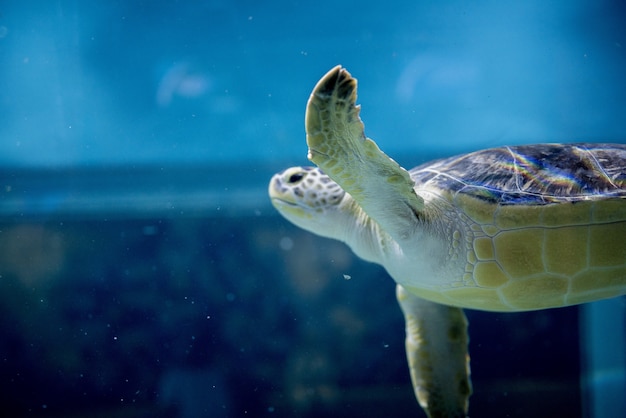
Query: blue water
point(143, 272)
point(212, 81)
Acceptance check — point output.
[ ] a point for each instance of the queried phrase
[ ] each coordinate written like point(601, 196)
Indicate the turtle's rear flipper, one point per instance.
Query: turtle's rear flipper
point(436, 348)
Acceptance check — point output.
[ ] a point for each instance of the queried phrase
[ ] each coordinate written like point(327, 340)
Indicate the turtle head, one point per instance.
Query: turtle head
point(309, 199)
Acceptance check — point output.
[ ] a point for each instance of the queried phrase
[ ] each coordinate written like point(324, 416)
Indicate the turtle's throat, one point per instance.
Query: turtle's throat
point(362, 233)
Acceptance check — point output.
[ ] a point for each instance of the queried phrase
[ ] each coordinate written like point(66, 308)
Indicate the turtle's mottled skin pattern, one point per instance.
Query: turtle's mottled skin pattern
point(503, 229)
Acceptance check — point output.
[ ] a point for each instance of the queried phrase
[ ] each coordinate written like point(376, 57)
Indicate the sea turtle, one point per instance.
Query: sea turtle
point(514, 228)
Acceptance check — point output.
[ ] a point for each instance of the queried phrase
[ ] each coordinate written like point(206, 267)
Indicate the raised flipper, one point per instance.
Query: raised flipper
point(337, 144)
point(436, 348)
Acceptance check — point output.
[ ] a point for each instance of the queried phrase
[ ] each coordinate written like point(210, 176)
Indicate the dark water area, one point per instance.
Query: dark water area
point(237, 317)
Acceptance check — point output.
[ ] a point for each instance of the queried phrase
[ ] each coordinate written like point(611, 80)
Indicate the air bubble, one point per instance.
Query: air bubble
point(285, 243)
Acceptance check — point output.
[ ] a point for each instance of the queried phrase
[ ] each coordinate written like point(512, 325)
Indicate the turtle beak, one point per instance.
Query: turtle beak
point(284, 201)
point(278, 192)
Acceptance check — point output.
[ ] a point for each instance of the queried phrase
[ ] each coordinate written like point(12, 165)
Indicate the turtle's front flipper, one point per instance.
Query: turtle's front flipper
point(436, 347)
point(337, 144)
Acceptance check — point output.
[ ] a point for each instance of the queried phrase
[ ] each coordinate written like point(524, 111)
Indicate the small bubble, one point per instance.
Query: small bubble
point(285, 243)
point(149, 230)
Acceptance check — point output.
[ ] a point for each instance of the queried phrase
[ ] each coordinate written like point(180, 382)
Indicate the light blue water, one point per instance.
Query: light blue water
point(217, 81)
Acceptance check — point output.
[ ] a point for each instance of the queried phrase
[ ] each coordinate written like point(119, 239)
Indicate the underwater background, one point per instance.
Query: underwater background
point(143, 271)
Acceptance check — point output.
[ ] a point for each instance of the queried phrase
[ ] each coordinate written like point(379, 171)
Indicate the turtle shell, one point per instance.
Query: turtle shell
point(531, 174)
point(533, 227)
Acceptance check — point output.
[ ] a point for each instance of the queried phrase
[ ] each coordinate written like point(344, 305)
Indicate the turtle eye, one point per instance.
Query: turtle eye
point(294, 178)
